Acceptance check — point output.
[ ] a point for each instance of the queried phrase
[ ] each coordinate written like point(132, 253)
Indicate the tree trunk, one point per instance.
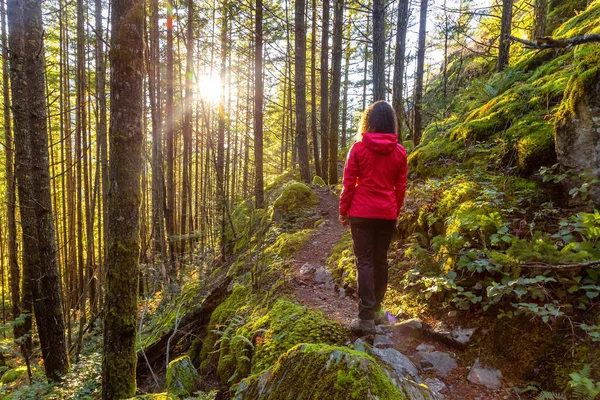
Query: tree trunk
point(417, 124)
point(300, 81)
point(158, 179)
point(345, 99)
point(11, 197)
point(399, 57)
point(336, 79)
point(101, 128)
point(541, 18)
point(170, 133)
point(258, 108)
point(187, 126)
point(126, 138)
point(378, 50)
point(325, 91)
point(505, 29)
point(313, 90)
point(220, 167)
point(33, 178)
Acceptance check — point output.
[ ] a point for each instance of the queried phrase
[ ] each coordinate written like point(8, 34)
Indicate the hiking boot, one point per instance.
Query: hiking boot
point(381, 319)
point(365, 326)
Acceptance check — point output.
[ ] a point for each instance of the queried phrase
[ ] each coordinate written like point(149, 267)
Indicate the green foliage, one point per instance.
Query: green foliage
point(13, 374)
point(341, 260)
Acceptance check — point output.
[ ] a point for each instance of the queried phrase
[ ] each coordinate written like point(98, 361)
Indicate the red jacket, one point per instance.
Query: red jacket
point(374, 178)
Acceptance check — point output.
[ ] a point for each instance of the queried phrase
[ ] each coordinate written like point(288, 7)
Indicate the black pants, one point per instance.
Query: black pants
point(371, 239)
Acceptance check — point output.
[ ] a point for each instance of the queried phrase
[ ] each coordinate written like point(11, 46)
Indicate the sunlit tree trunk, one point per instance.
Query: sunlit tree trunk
point(325, 91)
point(418, 118)
point(300, 81)
point(313, 90)
point(399, 57)
point(378, 50)
point(505, 28)
point(336, 79)
point(258, 107)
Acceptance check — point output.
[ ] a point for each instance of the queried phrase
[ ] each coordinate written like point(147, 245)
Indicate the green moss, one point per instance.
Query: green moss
point(156, 396)
point(318, 181)
point(287, 244)
point(537, 148)
point(182, 377)
point(341, 260)
point(164, 318)
point(12, 375)
point(429, 158)
point(583, 23)
point(208, 356)
point(310, 371)
point(295, 196)
point(288, 324)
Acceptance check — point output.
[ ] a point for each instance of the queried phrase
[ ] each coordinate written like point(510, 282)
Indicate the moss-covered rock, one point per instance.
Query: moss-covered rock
point(318, 181)
point(182, 377)
point(287, 244)
point(341, 261)
point(310, 371)
point(12, 375)
point(287, 324)
point(295, 196)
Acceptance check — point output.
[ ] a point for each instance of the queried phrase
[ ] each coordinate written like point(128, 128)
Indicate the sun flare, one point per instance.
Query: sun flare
point(209, 88)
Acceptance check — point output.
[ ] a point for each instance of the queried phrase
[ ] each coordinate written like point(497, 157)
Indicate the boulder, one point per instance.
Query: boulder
point(182, 377)
point(483, 375)
point(311, 371)
point(441, 362)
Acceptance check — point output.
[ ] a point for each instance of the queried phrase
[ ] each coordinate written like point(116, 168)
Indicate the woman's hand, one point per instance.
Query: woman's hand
point(344, 220)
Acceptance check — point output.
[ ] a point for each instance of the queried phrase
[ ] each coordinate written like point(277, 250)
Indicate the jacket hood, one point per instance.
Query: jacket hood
point(383, 143)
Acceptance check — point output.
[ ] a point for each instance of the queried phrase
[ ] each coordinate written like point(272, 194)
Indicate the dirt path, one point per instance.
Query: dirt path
point(326, 298)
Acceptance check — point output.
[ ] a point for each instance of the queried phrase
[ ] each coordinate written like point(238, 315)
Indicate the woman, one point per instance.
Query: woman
point(372, 195)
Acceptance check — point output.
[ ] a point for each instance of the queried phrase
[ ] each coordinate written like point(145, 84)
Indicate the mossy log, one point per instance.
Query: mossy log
point(191, 326)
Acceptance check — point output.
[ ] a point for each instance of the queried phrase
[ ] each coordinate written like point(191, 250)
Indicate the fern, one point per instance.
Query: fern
point(551, 396)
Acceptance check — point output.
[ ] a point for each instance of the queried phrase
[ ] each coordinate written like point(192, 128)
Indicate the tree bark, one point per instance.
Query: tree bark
point(336, 79)
point(399, 57)
point(505, 29)
point(170, 133)
point(541, 18)
point(378, 50)
point(325, 91)
point(258, 108)
point(313, 90)
point(126, 138)
point(33, 178)
point(300, 81)
point(417, 124)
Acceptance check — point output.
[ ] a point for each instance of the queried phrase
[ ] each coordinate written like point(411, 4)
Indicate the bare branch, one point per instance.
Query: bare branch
point(546, 42)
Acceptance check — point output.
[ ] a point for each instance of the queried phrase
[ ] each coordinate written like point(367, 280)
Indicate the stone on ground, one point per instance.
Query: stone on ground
point(322, 275)
point(462, 336)
point(483, 375)
point(441, 362)
point(382, 341)
point(402, 366)
point(182, 377)
point(307, 269)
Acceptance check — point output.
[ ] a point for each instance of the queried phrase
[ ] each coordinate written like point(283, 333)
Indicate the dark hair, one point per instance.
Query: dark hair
point(379, 117)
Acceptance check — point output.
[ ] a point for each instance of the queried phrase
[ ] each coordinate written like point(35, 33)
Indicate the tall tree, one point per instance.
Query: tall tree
point(313, 90)
point(418, 99)
point(170, 139)
point(378, 50)
point(33, 178)
point(399, 57)
point(336, 79)
point(325, 90)
point(258, 107)
point(126, 137)
point(187, 125)
point(300, 81)
point(158, 179)
point(505, 29)
point(11, 197)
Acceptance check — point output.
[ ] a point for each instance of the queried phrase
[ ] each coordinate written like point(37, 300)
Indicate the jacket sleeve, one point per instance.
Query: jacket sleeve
point(349, 181)
point(401, 184)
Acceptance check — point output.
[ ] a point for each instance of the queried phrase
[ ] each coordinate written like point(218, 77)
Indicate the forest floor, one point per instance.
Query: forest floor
point(343, 309)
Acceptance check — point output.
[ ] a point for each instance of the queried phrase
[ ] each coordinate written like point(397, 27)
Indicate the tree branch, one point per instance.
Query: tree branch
point(562, 267)
point(546, 42)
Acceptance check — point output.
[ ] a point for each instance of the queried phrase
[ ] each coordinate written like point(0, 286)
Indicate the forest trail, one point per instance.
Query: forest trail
point(326, 297)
